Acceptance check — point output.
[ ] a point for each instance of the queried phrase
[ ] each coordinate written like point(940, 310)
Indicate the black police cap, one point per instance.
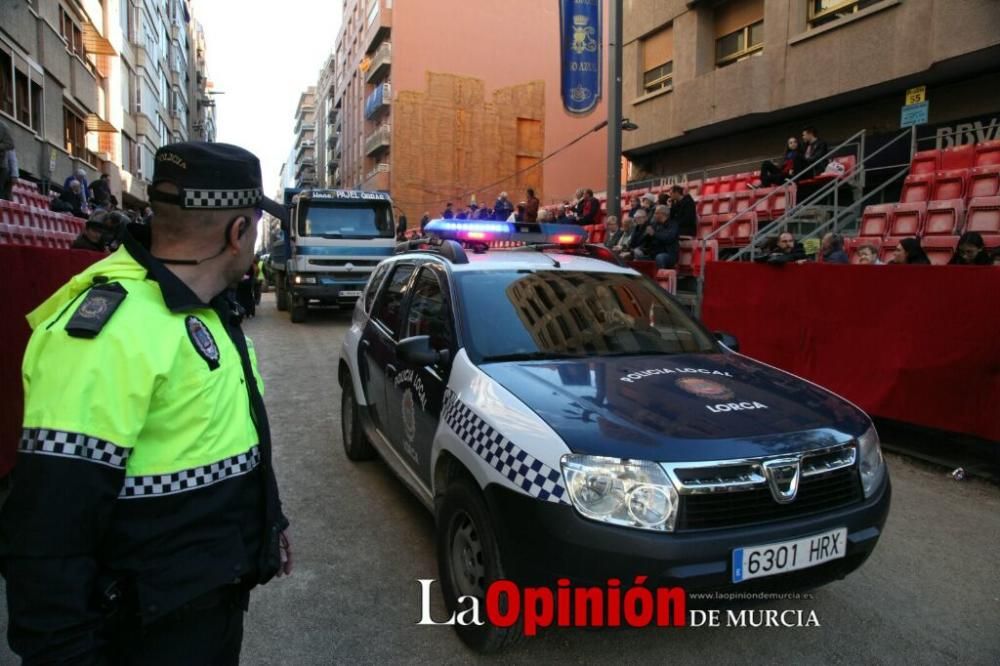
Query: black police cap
point(214, 176)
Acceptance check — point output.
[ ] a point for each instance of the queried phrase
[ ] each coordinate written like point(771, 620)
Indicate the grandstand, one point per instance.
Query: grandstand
point(27, 220)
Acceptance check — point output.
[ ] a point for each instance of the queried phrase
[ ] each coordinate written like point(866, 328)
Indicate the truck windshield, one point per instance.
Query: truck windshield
point(521, 315)
point(346, 220)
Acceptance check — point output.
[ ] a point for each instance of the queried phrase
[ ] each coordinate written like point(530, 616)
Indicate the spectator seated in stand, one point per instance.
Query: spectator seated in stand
point(660, 240)
point(100, 191)
point(614, 231)
point(100, 232)
point(909, 252)
point(683, 211)
point(787, 251)
point(638, 232)
point(868, 254)
point(80, 177)
point(832, 249)
point(71, 201)
point(815, 152)
point(792, 163)
point(621, 244)
point(588, 209)
point(971, 251)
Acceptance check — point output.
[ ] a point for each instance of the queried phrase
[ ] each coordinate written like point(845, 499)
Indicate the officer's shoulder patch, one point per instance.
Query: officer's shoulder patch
point(203, 341)
point(96, 309)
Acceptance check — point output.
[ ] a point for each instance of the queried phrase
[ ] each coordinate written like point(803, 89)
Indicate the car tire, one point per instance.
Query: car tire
point(299, 310)
point(465, 532)
point(281, 294)
point(356, 445)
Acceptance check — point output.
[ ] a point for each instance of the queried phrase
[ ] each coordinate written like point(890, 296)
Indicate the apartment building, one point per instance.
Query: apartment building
point(100, 85)
point(719, 82)
point(304, 149)
point(327, 131)
point(436, 100)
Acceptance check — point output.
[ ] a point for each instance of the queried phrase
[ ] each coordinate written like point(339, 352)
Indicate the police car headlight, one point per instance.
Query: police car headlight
point(631, 493)
point(872, 465)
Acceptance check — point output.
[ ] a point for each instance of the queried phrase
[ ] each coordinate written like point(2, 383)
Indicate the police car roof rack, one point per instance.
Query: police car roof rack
point(448, 249)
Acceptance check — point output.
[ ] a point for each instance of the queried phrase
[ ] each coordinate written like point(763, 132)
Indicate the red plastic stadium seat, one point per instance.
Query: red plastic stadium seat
point(926, 161)
point(727, 232)
point(746, 229)
point(852, 245)
point(984, 181)
point(875, 220)
point(742, 181)
point(693, 187)
point(983, 216)
point(706, 225)
point(667, 279)
point(907, 219)
point(706, 205)
point(949, 185)
point(689, 262)
point(782, 200)
point(988, 153)
point(710, 187)
point(726, 184)
point(944, 218)
point(742, 201)
point(725, 204)
point(939, 249)
point(917, 188)
point(959, 157)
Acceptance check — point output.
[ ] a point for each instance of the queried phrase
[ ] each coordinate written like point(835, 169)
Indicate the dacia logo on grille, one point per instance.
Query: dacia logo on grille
point(782, 476)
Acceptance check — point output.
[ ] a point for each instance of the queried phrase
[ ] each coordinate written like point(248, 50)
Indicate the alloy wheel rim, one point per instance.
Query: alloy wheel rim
point(468, 569)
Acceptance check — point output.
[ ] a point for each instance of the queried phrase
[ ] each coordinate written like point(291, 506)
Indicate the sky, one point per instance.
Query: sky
point(263, 55)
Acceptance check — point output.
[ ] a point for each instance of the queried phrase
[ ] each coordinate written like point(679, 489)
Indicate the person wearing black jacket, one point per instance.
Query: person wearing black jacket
point(788, 250)
point(683, 211)
point(660, 239)
point(815, 153)
point(792, 163)
point(971, 251)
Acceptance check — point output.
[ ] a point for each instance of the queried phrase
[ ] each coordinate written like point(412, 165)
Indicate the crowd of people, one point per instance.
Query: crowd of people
point(971, 251)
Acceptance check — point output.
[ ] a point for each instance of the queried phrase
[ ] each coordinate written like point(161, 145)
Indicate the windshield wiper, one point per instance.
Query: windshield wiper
point(530, 356)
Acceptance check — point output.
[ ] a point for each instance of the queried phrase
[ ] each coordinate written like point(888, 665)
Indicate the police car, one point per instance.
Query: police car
point(563, 417)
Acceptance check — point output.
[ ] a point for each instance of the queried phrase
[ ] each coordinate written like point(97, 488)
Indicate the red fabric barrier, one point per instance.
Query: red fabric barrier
point(919, 344)
point(31, 274)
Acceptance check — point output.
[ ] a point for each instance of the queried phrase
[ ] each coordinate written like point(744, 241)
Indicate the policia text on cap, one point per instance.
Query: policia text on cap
point(144, 506)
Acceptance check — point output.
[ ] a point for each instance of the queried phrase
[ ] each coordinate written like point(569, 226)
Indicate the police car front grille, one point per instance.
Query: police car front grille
point(819, 491)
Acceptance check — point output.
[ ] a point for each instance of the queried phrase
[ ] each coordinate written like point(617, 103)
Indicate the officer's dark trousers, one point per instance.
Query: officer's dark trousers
point(206, 632)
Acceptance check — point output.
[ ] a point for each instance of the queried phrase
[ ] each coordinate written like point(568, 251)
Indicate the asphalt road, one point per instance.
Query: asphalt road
point(929, 594)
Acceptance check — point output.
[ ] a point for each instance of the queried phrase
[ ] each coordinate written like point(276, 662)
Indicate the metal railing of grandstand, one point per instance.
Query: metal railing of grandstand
point(858, 138)
point(702, 174)
point(853, 211)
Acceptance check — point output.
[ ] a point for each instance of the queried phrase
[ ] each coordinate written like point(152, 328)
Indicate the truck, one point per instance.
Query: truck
point(329, 245)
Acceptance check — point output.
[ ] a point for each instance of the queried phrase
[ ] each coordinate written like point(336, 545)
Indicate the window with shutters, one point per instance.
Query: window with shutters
point(739, 31)
point(658, 60)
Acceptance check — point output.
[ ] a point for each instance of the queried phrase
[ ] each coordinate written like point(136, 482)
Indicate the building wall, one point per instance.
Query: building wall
point(153, 44)
point(847, 75)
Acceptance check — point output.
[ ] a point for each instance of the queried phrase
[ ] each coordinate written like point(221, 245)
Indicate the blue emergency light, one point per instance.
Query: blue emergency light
point(485, 232)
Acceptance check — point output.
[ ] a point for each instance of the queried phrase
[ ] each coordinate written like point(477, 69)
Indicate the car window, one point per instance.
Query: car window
point(373, 284)
point(428, 313)
point(550, 314)
point(387, 308)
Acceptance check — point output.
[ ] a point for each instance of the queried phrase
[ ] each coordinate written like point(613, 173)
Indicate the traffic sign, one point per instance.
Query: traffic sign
point(916, 95)
point(914, 114)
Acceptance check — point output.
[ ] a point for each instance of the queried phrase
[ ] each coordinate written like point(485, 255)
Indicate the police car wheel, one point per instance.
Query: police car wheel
point(470, 558)
point(356, 445)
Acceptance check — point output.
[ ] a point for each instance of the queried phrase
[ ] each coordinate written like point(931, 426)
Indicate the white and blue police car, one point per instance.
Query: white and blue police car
point(563, 417)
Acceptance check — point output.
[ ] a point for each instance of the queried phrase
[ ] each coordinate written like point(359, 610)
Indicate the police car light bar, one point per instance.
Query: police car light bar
point(478, 231)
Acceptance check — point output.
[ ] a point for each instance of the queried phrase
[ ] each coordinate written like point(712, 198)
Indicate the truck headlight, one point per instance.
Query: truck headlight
point(872, 465)
point(631, 493)
point(304, 279)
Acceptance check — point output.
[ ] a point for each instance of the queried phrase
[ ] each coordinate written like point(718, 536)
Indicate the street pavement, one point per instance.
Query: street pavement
point(929, 594)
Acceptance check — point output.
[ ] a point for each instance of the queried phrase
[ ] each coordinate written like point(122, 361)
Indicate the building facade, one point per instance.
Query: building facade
point(721, 82)
point(434, 104)
point(304, 148)
point(327, 131)
point(100, 85)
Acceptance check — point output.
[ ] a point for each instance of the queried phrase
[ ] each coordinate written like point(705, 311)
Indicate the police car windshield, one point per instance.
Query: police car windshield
point(346, 220)
point(522, 315)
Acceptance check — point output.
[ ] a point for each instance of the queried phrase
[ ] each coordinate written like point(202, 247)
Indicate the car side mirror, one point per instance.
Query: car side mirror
point(728, 340)
point(417, 350)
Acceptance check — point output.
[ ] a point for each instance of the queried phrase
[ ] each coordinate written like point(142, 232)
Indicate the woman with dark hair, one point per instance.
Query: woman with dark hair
point(971, 251)
point(792, 163)
point(909, 252)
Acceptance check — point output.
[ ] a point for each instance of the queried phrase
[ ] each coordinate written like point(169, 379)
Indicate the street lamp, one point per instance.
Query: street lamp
point(615, 122)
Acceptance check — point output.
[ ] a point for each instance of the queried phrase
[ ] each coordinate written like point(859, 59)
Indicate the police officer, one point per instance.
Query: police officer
point(144, 506)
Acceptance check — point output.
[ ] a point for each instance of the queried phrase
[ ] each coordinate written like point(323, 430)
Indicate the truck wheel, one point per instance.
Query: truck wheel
point(299, 310)
point(469, 559)
point(356, 445)
point(281, 294)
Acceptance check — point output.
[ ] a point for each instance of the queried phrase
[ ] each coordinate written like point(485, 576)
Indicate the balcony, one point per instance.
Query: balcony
point(379, 139)
point(380, 63)
point(378, 27)
point(381, 167)
point(304, 148)
point(304, 126)
point(331, 116)
point(378, 100)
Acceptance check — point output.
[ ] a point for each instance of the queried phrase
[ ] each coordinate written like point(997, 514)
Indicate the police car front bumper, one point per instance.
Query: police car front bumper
point(544, 541)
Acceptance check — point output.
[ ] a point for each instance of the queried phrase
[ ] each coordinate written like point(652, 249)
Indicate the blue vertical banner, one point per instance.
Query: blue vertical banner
point(581, 47)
